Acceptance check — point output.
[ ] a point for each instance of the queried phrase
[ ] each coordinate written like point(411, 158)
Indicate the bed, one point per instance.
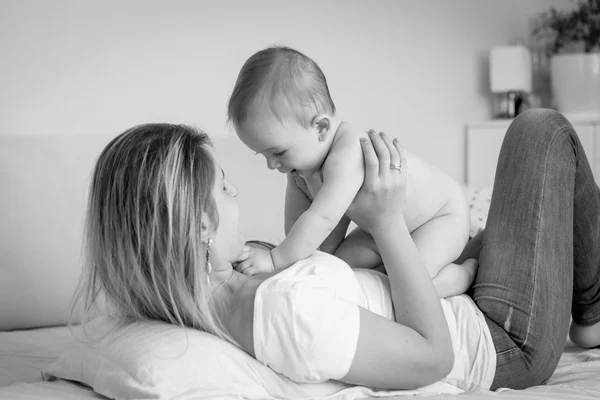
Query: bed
point(44, 181)
point(24, 353)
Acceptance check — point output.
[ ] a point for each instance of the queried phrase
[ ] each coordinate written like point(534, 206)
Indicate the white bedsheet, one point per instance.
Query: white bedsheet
point(23, 354)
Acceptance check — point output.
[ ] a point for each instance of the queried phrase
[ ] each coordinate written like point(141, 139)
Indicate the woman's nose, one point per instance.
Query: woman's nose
point(272, 164)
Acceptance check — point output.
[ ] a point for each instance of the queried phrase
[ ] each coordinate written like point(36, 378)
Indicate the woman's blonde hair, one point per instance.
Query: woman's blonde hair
point(143, 250)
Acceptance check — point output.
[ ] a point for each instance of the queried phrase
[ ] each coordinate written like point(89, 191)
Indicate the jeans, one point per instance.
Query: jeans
point(540, 254)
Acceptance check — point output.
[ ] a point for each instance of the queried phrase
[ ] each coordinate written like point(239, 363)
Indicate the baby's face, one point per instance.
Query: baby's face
point(287, 146)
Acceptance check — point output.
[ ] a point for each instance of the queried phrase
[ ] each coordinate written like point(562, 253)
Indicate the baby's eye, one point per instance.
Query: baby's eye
point(280, 154)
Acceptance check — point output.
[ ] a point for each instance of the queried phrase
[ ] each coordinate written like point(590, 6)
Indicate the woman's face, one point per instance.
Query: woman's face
point(228, 241)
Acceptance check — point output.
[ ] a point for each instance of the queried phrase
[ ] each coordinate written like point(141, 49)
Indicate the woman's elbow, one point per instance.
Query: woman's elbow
point(443, 362)
point(437, 364)
point(434, 368)
point(434, 371)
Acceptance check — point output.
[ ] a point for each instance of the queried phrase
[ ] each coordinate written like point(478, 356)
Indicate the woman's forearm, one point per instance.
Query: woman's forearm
point(415, 299)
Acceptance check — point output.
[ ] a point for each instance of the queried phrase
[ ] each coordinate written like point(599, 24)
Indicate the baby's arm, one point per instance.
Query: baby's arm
point(296, 203)
point(343, 174)
point(336, 237)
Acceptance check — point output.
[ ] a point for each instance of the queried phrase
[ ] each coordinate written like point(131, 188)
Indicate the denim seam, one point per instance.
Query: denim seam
point(511, 350)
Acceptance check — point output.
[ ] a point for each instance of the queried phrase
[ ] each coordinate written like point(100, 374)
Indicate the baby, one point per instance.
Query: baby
point(281, 108)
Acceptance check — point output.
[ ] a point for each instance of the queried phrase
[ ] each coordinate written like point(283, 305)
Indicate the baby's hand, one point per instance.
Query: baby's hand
point(258, 261)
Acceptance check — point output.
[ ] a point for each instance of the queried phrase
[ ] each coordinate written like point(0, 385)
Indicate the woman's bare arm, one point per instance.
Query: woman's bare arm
point(416, 350)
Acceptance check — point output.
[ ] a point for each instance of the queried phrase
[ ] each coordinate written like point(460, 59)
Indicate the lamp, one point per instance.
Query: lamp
point(510, 77)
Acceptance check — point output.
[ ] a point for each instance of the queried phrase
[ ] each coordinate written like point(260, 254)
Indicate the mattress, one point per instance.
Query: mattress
point(23, 354)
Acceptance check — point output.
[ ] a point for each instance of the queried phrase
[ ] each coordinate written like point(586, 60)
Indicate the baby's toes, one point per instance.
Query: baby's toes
point(471, 265)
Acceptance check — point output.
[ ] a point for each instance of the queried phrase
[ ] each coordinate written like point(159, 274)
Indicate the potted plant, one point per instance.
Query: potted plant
point(571, 39)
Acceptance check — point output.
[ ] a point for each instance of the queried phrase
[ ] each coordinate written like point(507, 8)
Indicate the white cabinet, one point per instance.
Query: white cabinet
point(485, 138)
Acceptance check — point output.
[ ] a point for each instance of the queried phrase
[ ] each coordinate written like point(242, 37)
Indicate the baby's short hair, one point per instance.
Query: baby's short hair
point(286, 81)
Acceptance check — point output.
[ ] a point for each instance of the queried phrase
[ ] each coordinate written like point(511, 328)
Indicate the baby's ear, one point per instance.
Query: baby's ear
point(322, 124)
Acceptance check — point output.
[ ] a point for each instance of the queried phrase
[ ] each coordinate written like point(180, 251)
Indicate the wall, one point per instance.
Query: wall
point(416, 69)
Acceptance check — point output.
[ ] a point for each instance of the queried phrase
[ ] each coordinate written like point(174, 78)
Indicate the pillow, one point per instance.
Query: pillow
point(155, 360)
point(479, 205)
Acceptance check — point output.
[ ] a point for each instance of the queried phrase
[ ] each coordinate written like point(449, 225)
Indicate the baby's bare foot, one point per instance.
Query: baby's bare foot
point(585, 336)
point(471, 266)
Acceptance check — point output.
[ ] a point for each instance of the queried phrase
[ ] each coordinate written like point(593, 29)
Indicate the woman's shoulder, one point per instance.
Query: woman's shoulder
point(291, 289)
point(304, 312)
point(295, 286)
point(239, 316)
point(321, 269)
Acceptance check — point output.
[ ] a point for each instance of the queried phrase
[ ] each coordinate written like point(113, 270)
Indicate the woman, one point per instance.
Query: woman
point(162, 239)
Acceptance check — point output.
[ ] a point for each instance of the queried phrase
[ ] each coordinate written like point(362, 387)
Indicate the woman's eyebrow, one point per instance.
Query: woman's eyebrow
point(223, 172)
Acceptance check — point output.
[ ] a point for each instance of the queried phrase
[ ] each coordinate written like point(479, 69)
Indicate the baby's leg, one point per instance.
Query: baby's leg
point(441, 240)
point(472, 249)
point(359, 250)
point(455, 279)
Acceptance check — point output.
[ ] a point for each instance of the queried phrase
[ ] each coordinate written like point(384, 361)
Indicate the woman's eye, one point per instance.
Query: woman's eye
point(229, 189)
point(280, 154)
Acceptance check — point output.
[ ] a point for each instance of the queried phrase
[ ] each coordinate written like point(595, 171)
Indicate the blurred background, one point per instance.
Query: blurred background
point(417, 69)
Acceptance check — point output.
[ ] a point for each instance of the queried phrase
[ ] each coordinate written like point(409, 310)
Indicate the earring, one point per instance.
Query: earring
point(208, 265)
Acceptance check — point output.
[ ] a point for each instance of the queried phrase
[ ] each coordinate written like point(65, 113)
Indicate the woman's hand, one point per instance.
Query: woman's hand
point(416, 350)
point(382, 193)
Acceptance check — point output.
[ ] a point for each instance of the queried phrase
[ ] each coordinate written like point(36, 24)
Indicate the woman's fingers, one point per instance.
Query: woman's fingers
point(382, 193)
point(394, 154)
point(371, 161)
point(383, 154)
point(402, 156)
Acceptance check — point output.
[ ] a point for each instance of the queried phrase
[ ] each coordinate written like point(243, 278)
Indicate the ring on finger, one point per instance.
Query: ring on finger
point(396, 166)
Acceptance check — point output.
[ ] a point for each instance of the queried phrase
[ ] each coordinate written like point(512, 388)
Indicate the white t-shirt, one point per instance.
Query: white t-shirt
point(306, 323)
